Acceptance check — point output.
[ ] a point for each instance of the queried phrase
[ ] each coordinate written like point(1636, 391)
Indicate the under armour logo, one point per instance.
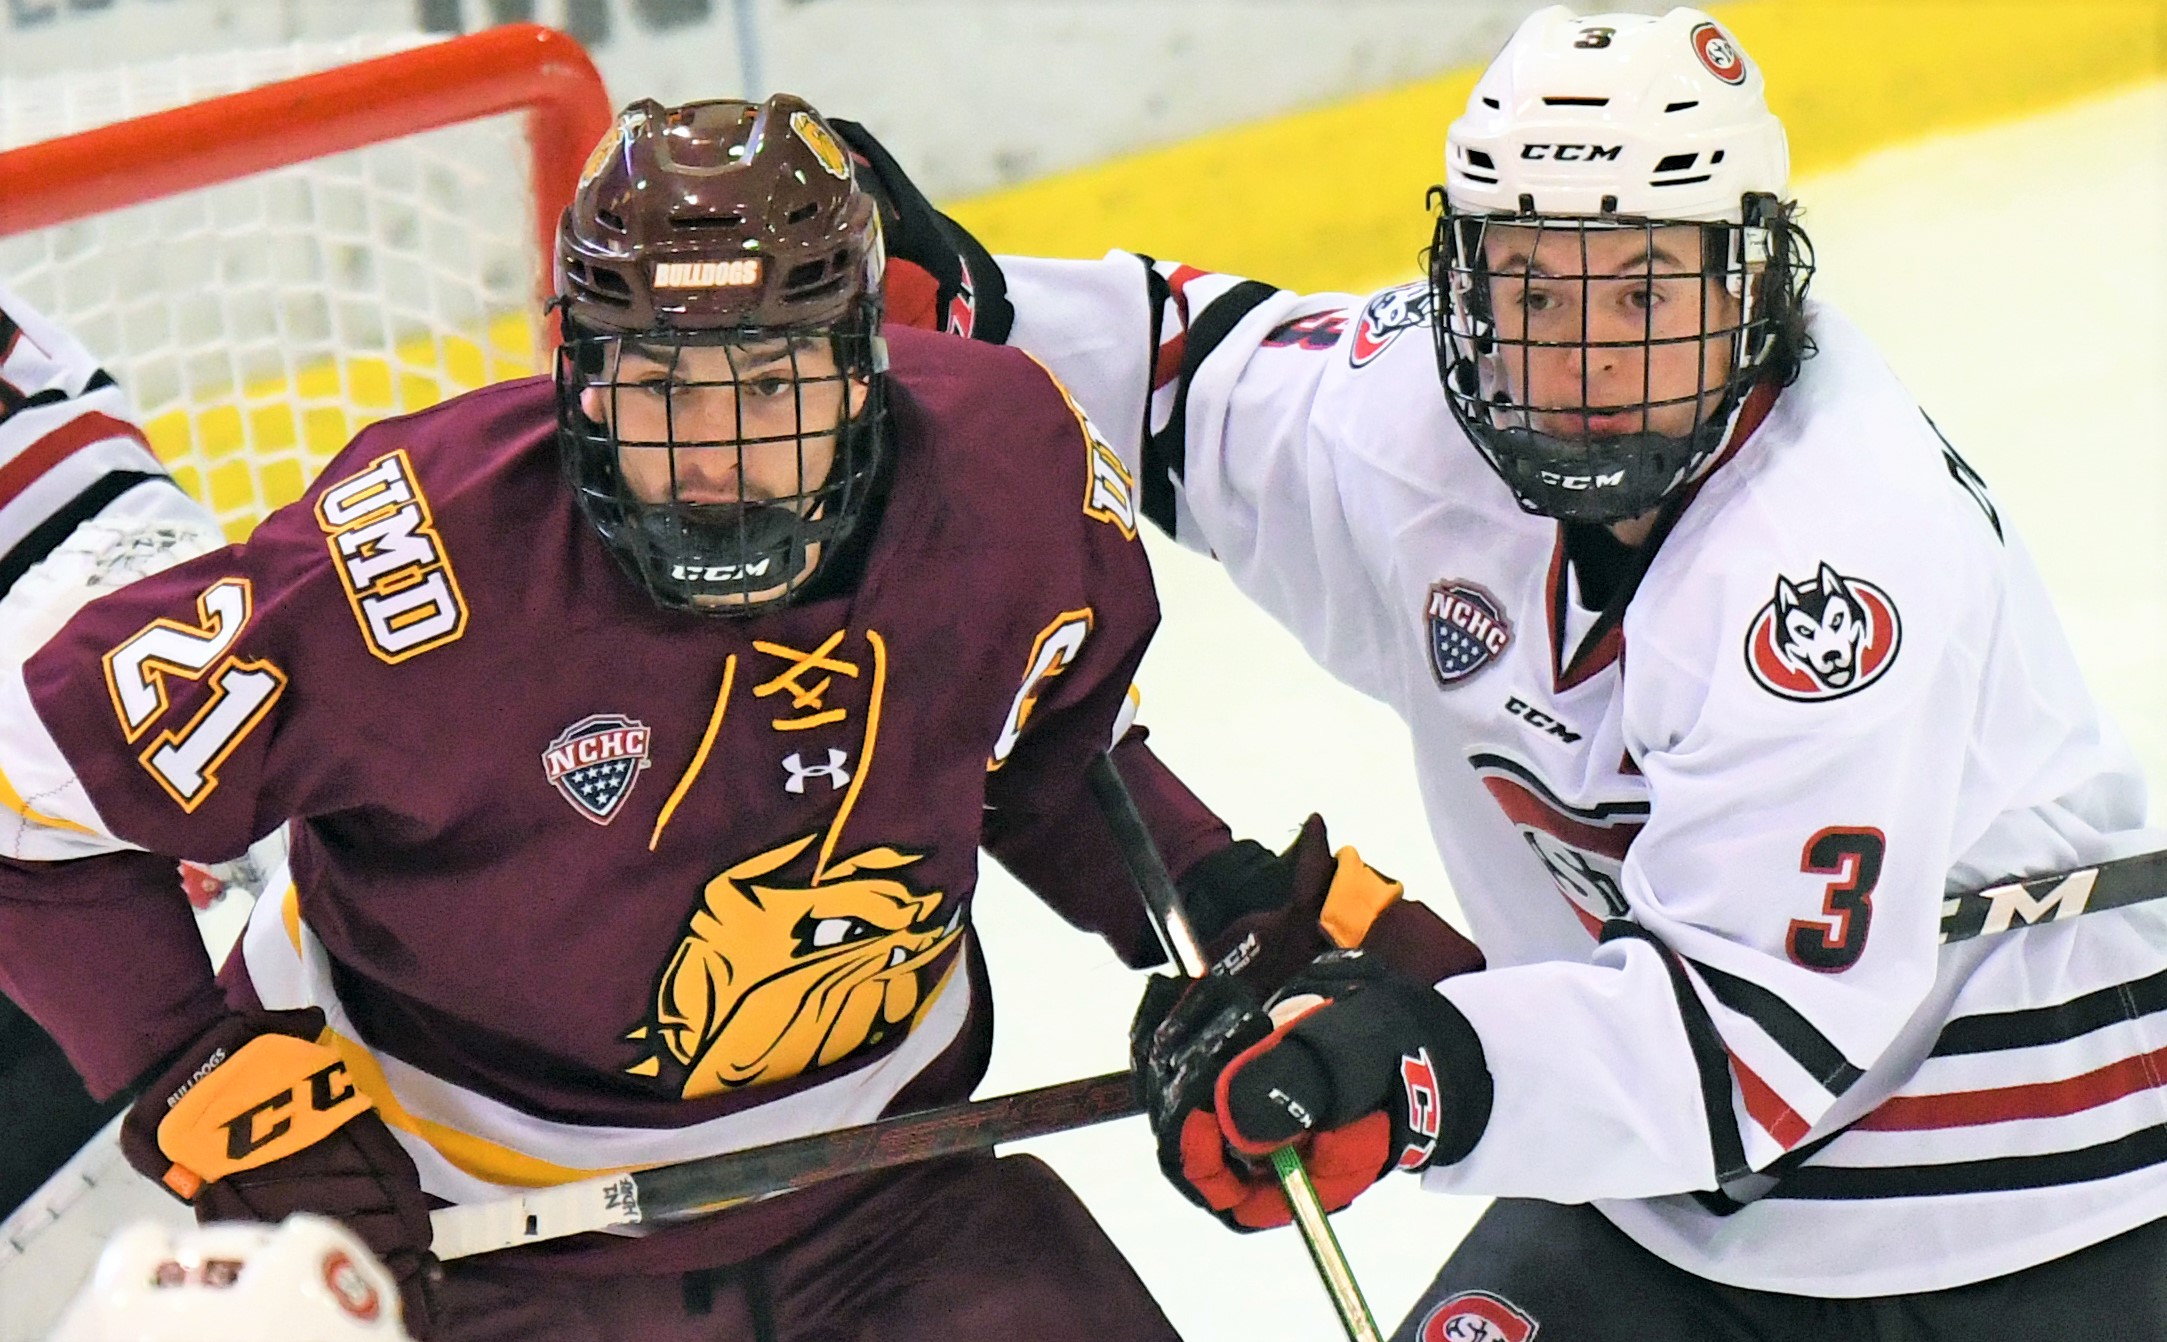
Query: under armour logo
point(833, 771)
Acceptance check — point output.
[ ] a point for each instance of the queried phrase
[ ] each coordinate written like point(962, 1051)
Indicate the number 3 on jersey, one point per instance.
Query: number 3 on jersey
point(1836, 939)
point(184, 761)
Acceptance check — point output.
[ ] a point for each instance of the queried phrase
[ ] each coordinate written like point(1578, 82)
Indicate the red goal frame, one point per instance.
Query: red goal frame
point(518, 68)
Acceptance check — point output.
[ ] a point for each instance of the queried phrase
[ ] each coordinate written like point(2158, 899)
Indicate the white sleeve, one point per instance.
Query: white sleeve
point(1206, 385)
point(68, 443)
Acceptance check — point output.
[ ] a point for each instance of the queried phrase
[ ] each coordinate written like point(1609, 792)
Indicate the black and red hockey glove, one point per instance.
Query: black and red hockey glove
point(1263, 917)
point(1361, 1069)
point(257, 1120)
point(939, 277)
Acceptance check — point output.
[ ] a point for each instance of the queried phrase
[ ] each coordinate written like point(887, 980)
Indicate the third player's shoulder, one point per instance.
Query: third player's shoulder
point(39, 354)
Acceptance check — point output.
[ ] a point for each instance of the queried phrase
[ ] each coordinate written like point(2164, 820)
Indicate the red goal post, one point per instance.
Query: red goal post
point(246, 435)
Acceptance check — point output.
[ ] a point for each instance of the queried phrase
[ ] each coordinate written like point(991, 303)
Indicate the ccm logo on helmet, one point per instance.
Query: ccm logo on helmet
point(706, 274)
point(1573, 153)
point(721, 572)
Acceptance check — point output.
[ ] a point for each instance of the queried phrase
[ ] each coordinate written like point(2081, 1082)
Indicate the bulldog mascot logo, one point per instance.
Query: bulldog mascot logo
point(774, 976)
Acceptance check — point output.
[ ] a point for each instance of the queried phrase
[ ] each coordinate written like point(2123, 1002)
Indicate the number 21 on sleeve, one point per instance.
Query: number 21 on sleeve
point(185, 760)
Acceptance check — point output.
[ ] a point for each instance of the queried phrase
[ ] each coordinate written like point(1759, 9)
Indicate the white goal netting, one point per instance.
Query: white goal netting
point(258, 323)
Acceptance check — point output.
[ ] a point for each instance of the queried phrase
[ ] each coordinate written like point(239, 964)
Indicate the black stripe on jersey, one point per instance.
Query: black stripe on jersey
point(2095, 1010)
point(99, 381)
point(1710, 1058)
point(1597, 815)
point(2139, 1150)
point(46, 536)
point(1792, 1033)
point(13, 402)
point(1165, 452)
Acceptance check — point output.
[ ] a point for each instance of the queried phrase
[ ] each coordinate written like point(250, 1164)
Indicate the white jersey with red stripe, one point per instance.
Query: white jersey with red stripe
point(1704, 834)
point(69, 447)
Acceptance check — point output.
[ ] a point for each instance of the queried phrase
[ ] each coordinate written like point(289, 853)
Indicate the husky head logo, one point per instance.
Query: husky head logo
point(1823, 637)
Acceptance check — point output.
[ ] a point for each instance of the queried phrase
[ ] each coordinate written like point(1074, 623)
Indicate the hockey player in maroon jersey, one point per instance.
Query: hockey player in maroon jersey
point(638, 819)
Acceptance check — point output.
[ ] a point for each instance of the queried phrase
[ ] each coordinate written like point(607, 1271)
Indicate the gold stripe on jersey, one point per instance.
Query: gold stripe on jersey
point(477, 1156)
point(865, 753)
point(699, 756)
point(469, 1147)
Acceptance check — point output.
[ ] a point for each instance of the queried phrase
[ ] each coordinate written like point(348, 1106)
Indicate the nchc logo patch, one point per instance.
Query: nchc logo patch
point(1467, 630)
point(1823, 637)
point(1477, 1316)
point(595, 761)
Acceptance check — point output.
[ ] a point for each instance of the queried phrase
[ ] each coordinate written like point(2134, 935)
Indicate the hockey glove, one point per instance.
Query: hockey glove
point(256, 1120)
point(1364, 1070)
point(1263, 917)
point(939, 277)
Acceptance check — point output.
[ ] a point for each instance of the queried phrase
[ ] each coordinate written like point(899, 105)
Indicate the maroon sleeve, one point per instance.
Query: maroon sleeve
point(1062, 848)
point(104, 953)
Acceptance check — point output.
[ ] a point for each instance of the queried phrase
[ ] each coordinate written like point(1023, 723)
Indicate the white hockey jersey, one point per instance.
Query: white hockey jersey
point(69, 447)
point(1704, 834)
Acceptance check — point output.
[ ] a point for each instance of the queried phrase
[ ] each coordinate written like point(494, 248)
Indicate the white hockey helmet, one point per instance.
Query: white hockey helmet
point(305, 1279)
point(1664, 118)
point(1614, 122)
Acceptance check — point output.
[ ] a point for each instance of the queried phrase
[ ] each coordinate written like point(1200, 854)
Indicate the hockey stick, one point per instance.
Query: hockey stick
point(2052, 898)
point(1178, 938)
point(712, 1183)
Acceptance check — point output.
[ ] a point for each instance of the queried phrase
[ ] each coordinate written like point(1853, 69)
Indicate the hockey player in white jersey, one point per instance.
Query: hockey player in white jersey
point(1722, 667)
point(84, 507)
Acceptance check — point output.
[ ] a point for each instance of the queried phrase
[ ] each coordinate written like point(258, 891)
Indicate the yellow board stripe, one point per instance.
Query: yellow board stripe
point(1332, 199)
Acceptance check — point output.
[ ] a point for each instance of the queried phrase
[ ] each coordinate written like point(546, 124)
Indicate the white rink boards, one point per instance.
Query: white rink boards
point(2016, 278)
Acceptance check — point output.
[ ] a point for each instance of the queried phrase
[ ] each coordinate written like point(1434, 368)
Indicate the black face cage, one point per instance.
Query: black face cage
point(749, 549)
point(1584, 453)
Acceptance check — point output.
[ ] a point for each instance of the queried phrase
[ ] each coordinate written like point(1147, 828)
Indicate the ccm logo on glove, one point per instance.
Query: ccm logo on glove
point(273, 1096)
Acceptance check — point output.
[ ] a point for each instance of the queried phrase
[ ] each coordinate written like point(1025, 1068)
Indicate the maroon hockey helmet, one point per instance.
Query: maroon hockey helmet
point(716, 255)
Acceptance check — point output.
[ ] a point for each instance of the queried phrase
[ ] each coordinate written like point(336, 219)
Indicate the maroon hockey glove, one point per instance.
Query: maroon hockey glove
point(256, 1120)
point(1263, 917)
point(1363, 1070)
point(939, 277)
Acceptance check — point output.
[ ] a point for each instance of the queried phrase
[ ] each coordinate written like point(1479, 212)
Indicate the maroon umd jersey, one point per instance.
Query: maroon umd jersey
point(582, 883)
